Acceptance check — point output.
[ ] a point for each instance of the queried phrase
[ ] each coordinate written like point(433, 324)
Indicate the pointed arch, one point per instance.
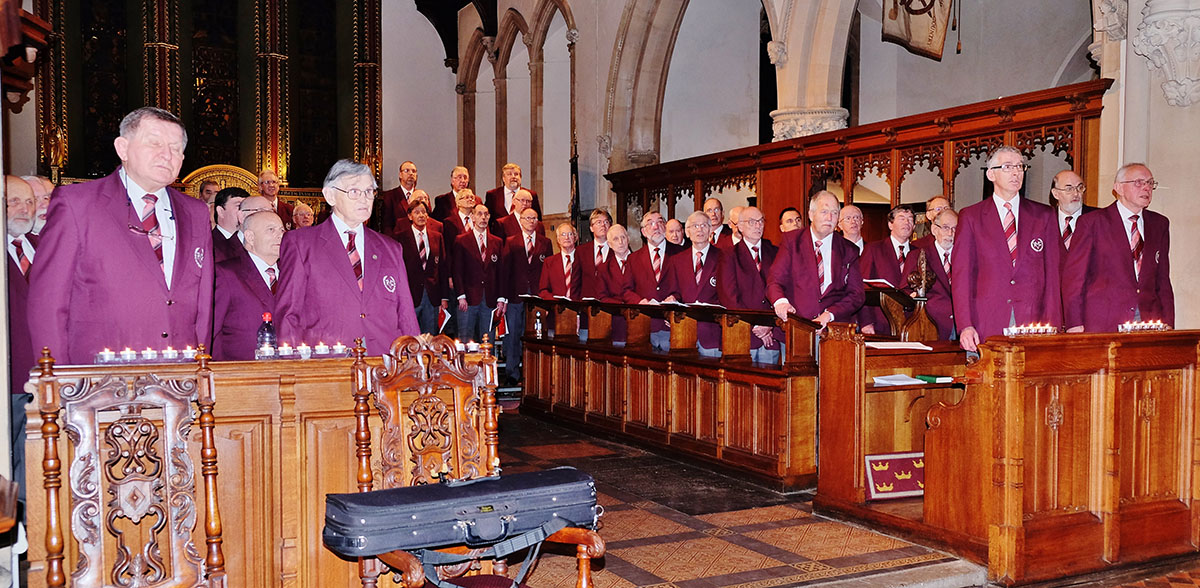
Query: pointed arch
point(543, 16)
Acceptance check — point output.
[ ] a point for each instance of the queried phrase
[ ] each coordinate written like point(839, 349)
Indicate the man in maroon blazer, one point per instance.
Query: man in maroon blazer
point(1005, 263)
point(428, 267)
point(226, 241)
point(479, 278)
point(691, 276)
point(268, 187)
point(393, 204)
point(1119, 266)
point(525, 252)
point(445, 204)
point(923, 230)
point(648, 265)
point(593, 258)
point(742, 281)
point(511, 223)
point(561, 273)
point(850, 223)
point(339, 279)
point(405, 223)
point(939, 304)
point(616, 280)
point(245, 288)
point(99, 281)
point(1066, 190)
point(22, 208)
point(459, 222)
point(720, 233)
point(884, 259)
point(499, 200)
point(815, 275)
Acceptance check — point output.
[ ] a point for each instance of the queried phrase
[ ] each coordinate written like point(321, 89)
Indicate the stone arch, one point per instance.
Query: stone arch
point(511, 25)
point(542, 17)
point(468, 71)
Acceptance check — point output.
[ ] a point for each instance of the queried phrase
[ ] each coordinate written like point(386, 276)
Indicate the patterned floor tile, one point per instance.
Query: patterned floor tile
point(827, 540)
point(624, 525)
point(754, 516)
point(698, 558)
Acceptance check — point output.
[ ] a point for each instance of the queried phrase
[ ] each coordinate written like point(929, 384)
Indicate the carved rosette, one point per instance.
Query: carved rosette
point(1169, 38)
point(790, 123)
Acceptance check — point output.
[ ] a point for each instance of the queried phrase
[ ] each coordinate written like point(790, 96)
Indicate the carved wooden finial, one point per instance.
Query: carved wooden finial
point(359, 350)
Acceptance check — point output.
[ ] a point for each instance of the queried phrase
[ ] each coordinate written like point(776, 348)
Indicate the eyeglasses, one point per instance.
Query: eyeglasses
point(752, 221)
point(250, 211)
point(1011, 167)
point(854, 220)
point(1141, 183)
point(697, 225)
point(945, 228)
point(357, 194)
point(1079, 188)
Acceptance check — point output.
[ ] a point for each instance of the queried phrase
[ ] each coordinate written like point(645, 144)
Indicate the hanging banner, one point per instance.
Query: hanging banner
point(917, 25)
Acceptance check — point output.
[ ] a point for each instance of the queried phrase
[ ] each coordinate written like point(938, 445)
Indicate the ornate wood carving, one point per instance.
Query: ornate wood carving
point(826, 171)
point(1058, 138)
point(214, 135)
point(878, 163)
point(967, 149)
point(160, 60)
point(735, 182)
point(929, 156)
point(368, 96)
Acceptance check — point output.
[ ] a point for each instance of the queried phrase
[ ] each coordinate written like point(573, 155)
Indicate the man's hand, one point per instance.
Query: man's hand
point(824, 318)
point(868, 329)
point(500, 306)
point(445, 304)
point(1078, 329)
point(969, 339)
point(670, 298)
point(462, 305)
point(783, 308)
point(763, 332)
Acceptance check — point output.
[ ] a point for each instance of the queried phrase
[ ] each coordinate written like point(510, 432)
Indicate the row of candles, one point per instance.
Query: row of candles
point(107, 355)
point(303, 351)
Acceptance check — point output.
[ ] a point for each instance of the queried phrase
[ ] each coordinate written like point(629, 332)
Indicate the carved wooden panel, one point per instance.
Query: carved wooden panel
point(615, 390)
point(1058, 139)
point(684, 405)
point(579, 381)
point(927, 156)
point(1058, 429)
point(595, 391)
point(741, 420)
point(562, 373)
point(967, 149)
point(639, 395)
point(332, 439)
point(660, 400)
point(873, 163)
point(708, 407)
point(1151, 436)
point(770, 431)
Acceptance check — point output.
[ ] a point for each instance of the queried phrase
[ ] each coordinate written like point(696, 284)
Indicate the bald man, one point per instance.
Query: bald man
point(816, 272)
point(1067, 190)
point(245, 288)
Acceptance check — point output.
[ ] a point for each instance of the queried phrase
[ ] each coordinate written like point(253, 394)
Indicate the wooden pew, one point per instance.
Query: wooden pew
point(1063, 455)
point(753, 418)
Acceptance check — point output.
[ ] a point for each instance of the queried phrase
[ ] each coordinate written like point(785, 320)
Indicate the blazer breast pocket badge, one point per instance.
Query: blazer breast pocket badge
point(1037, 245)
point(389, 283)
point(712, 281)
point(199, 256)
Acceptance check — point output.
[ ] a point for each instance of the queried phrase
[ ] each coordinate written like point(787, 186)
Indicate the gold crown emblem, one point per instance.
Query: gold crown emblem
point(920, 484)
point(920, 463)
point(884, 487)
point(881, 466)
point(903, 475)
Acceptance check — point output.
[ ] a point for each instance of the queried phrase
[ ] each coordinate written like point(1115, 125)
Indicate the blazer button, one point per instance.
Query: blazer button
point(362, 315)
point(170, 302)
point(1013, 282)
point(165, 335)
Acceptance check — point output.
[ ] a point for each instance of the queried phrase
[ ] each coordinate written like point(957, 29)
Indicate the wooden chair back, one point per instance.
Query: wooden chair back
point(132, 501)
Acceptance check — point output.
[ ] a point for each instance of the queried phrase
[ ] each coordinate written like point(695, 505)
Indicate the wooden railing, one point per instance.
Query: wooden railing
point(1064, 120)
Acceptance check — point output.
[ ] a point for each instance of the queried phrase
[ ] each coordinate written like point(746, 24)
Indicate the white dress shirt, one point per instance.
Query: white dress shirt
point(166, 220)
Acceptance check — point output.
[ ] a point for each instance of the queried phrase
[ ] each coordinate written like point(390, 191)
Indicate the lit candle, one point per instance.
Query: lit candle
point(459, 346)
point(266, 351)
point(472, 347)
point(170, 353)
point(128, 354)
point(321, 348)
point(149, 353)
point(189, 353)
point(304, 350)
point(107, 355)
point(285, 349)
point(338, 348)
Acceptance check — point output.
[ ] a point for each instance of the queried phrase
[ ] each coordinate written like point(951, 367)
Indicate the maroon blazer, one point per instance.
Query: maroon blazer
point(393, 206)
point(403, 224)
point(794, 276)
point(446, 204)
point(97, 283)
point(643, 275)
point(938, 303)
point(240, 298)
point(616, 281)
point(880, 261)
point(318, 298)
point(987, 288)
point(554, 282)
point(21, 358)
point(724, 240)
point(434, 278)
point(586, 258)
point(509, 226)
point(494, 199)
point(679, 280)
point(525, 272)
point(483, 281)
point(740, 283)
point(1099, 288)
point(452, 227)
point(225, 248)
point(284, 210)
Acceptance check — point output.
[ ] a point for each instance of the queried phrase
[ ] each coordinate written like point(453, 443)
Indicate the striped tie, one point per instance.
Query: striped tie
point(1135, 246)
point(150, 225)
point(946, 263)
point(699, 266)
point(22, 259)
point(657, 263)
point(422, 252)
point(1067, 232)
point(567, 267)
point(900, 258)
point(1010, 232)
point(482, 248)
point(355, 260)
point(529, 249)
point(271, 279)
point(757, 261)
point(820, 267)
point(599, 256)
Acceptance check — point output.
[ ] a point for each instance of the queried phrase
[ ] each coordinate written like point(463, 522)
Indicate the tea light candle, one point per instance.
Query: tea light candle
point(473, 347)
point(459, 346)
point(304, 350)
point(128, 354)
point(338, 348)
point(321, 348)
point(170, 353)
point(266, 351)
point(285, 350)
point(107, 354)
point(149, 353)
point(189, 353)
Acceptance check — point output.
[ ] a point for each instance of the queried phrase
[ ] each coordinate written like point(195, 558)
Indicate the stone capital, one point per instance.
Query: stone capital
point(1169, 38)
point(790, 123)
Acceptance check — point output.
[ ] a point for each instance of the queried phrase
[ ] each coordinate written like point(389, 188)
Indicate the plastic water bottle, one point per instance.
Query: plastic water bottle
point(266, 332)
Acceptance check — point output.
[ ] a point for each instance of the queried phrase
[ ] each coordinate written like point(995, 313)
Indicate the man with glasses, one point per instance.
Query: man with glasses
point(850, 221)
point(1067, 192)
point(499, 200)
point(743, 281)
point(525, 252)
point(923, 232)
point(268, 186)
point(126, 260)
point(939, 303)
point(884, 260)
point(1118, 268)
point(511, 224)
point(649, 264)
point(1006, 257)
point(691, 276)
point(446, 204)
point(815, 274)
point(341, 280)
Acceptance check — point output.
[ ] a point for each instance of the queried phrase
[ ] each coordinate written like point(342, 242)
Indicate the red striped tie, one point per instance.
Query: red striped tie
point(271, 281)
point(757, 261)
point(567, 267)
point(22, 259)
point(1067, 232)
point(1135, 246)
point(355, 260)
point(820, 267)
point(1010, 232)
point(699, 266)
point(946, 263)
point(150, 225)
point(422, 252)
point(900, 257)
point(657, 263)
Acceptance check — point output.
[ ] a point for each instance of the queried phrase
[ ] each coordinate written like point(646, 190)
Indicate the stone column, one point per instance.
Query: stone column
point(271, 132)
point(160, 26)
point(368, 98)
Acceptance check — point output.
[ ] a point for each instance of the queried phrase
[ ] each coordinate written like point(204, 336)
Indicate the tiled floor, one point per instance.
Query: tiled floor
point(671, 524)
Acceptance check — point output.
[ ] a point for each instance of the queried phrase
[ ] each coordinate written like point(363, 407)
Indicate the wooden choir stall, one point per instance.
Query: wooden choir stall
point(1051, 456)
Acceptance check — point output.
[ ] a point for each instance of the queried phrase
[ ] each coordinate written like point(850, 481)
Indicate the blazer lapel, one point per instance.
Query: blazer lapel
point(336, 256)
point(249, 275)
point(1116, 226)
point(121, 210)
